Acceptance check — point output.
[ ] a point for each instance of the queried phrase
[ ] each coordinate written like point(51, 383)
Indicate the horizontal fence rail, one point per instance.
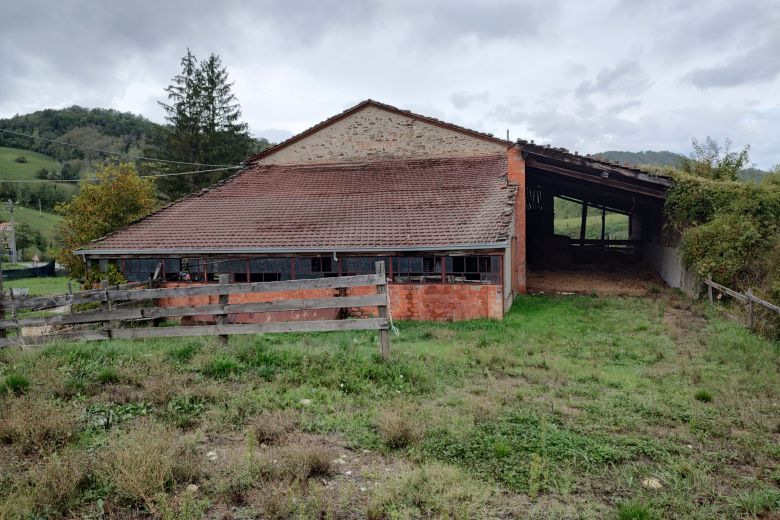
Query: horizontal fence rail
point(147, 308)
point(748, 299)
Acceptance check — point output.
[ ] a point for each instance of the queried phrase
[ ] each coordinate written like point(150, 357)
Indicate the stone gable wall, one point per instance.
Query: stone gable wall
point(373, 133)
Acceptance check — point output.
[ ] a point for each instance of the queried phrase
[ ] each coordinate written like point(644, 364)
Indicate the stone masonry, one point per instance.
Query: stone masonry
point(375, 133)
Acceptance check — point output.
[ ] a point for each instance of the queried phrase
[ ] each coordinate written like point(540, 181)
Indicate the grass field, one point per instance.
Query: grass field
point(568, 221)
point(10, 169)
point(573, 407)
point(42, 285)
point(44, 222)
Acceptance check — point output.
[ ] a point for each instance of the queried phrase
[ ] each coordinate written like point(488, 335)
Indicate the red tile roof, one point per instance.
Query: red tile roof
point(392, 204)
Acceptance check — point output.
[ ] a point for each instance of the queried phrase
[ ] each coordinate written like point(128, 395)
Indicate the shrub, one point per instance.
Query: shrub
point(703, 395)
point(301, 462)
point(16, 384)
point(269, 427)
point(634, 510)
point(431, 491)
point(221, 367)
point(21, 159)
point(108, 376)
point(58, 483)
point(139, 464)
point(37, 424)
point(398, 428)
point(756, 503)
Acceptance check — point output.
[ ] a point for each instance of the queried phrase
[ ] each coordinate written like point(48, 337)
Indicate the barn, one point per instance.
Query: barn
point(456, 215)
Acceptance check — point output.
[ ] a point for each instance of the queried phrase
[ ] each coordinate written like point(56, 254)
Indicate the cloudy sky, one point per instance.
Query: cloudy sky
point(590, 76)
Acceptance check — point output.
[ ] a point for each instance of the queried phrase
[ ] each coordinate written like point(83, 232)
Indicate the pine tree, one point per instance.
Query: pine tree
point(204, 124)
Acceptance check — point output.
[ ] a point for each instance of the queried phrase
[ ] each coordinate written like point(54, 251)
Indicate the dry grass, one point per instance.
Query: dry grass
point(300, 462)
point(142, 463)
point(399, 428)
point(34, 424)
point(270, 427)
point(431, 491)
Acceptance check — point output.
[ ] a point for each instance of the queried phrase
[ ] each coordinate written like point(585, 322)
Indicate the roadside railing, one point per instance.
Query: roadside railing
point(114, 320)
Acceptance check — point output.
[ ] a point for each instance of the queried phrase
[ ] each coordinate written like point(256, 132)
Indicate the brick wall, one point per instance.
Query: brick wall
point(376, 133)
point(439, 302)
point(516, 175)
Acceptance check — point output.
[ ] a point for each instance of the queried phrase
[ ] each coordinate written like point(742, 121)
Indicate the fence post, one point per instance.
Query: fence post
point(749, 294)
point(224, 297)
point(709, 291)
point(106, 306)
point(384, 334)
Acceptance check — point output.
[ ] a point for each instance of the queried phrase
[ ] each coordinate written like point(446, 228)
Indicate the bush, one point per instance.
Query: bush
point(142, 463)
point(21, 159)
point(37, 424)
point(221, 367)
point(431, 491)
point(16, 384)
point(398, 428)
point(269, 427)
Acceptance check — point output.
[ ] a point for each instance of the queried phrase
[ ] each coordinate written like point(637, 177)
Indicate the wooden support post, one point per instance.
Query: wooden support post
point(709, 292)
point(106, 306)
point(384, 334)
point(224, 297)
point(603, 224)
point(583, 221)
point(749, 295)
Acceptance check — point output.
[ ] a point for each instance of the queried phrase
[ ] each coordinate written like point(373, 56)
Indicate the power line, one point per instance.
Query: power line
point(19, 181)
point(98, 150)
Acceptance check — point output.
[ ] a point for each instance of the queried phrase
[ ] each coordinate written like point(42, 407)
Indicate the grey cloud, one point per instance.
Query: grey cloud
point(464, 99)
point(626, 78)
point(759, 64)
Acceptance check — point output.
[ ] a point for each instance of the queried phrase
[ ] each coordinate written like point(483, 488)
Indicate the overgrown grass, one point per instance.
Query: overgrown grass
point(569, 408)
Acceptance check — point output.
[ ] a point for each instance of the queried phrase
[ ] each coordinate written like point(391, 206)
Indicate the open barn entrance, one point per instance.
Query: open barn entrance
point(589, 222)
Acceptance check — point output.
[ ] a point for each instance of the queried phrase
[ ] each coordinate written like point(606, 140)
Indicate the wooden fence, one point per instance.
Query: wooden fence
point(748, 299)
point(113, 320)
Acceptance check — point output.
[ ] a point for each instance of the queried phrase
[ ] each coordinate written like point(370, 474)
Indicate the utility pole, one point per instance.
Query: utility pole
point(12, 234)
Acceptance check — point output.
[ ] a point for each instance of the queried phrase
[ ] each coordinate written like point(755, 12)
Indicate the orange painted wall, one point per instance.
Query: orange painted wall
point(438, 302)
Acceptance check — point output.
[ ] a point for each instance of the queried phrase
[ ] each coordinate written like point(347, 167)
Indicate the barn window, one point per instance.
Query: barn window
point(270, 269)
point(417, 269)
point(139, 269)
point(316, 267)
point(485, 269)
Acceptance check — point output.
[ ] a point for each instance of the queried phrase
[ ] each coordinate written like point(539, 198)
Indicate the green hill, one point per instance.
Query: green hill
point(34, 161)
point(44, 222)
point(646, 157)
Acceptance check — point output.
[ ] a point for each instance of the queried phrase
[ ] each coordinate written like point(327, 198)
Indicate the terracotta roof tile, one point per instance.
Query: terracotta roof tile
point(382, 204)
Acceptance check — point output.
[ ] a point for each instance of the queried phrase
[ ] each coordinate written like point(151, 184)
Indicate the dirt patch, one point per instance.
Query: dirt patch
point(609, 281)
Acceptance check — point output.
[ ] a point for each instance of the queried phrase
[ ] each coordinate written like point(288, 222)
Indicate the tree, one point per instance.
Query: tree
point(714, 161)
point(204, 124)
point(119, 197)
point(773, 177)
point(27, 237)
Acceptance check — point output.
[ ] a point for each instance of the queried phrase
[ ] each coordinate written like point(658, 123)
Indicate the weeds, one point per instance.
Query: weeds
point(269, 427)
point(16, 384)
point(399, 428)
point(35, 424)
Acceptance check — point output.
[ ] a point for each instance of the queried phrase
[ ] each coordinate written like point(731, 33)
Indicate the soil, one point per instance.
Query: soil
point(606, 281)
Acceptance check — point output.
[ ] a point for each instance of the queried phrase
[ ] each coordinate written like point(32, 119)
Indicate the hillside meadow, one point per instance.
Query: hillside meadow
point(572, 407)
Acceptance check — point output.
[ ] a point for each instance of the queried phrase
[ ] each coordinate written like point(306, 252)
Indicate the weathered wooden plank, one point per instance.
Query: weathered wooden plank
point(384, 335)
point(764, 303)
point(246, 288)
point(722, 288)
point(253, 328)
point(99, 295)
point(369, 300)
point(89, 335)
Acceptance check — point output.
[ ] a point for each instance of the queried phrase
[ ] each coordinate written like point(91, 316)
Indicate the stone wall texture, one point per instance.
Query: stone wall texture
point(438, 302)
point(373, 133)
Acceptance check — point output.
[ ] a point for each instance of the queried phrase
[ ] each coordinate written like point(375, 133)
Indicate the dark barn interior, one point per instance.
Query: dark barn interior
point(610, 189)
